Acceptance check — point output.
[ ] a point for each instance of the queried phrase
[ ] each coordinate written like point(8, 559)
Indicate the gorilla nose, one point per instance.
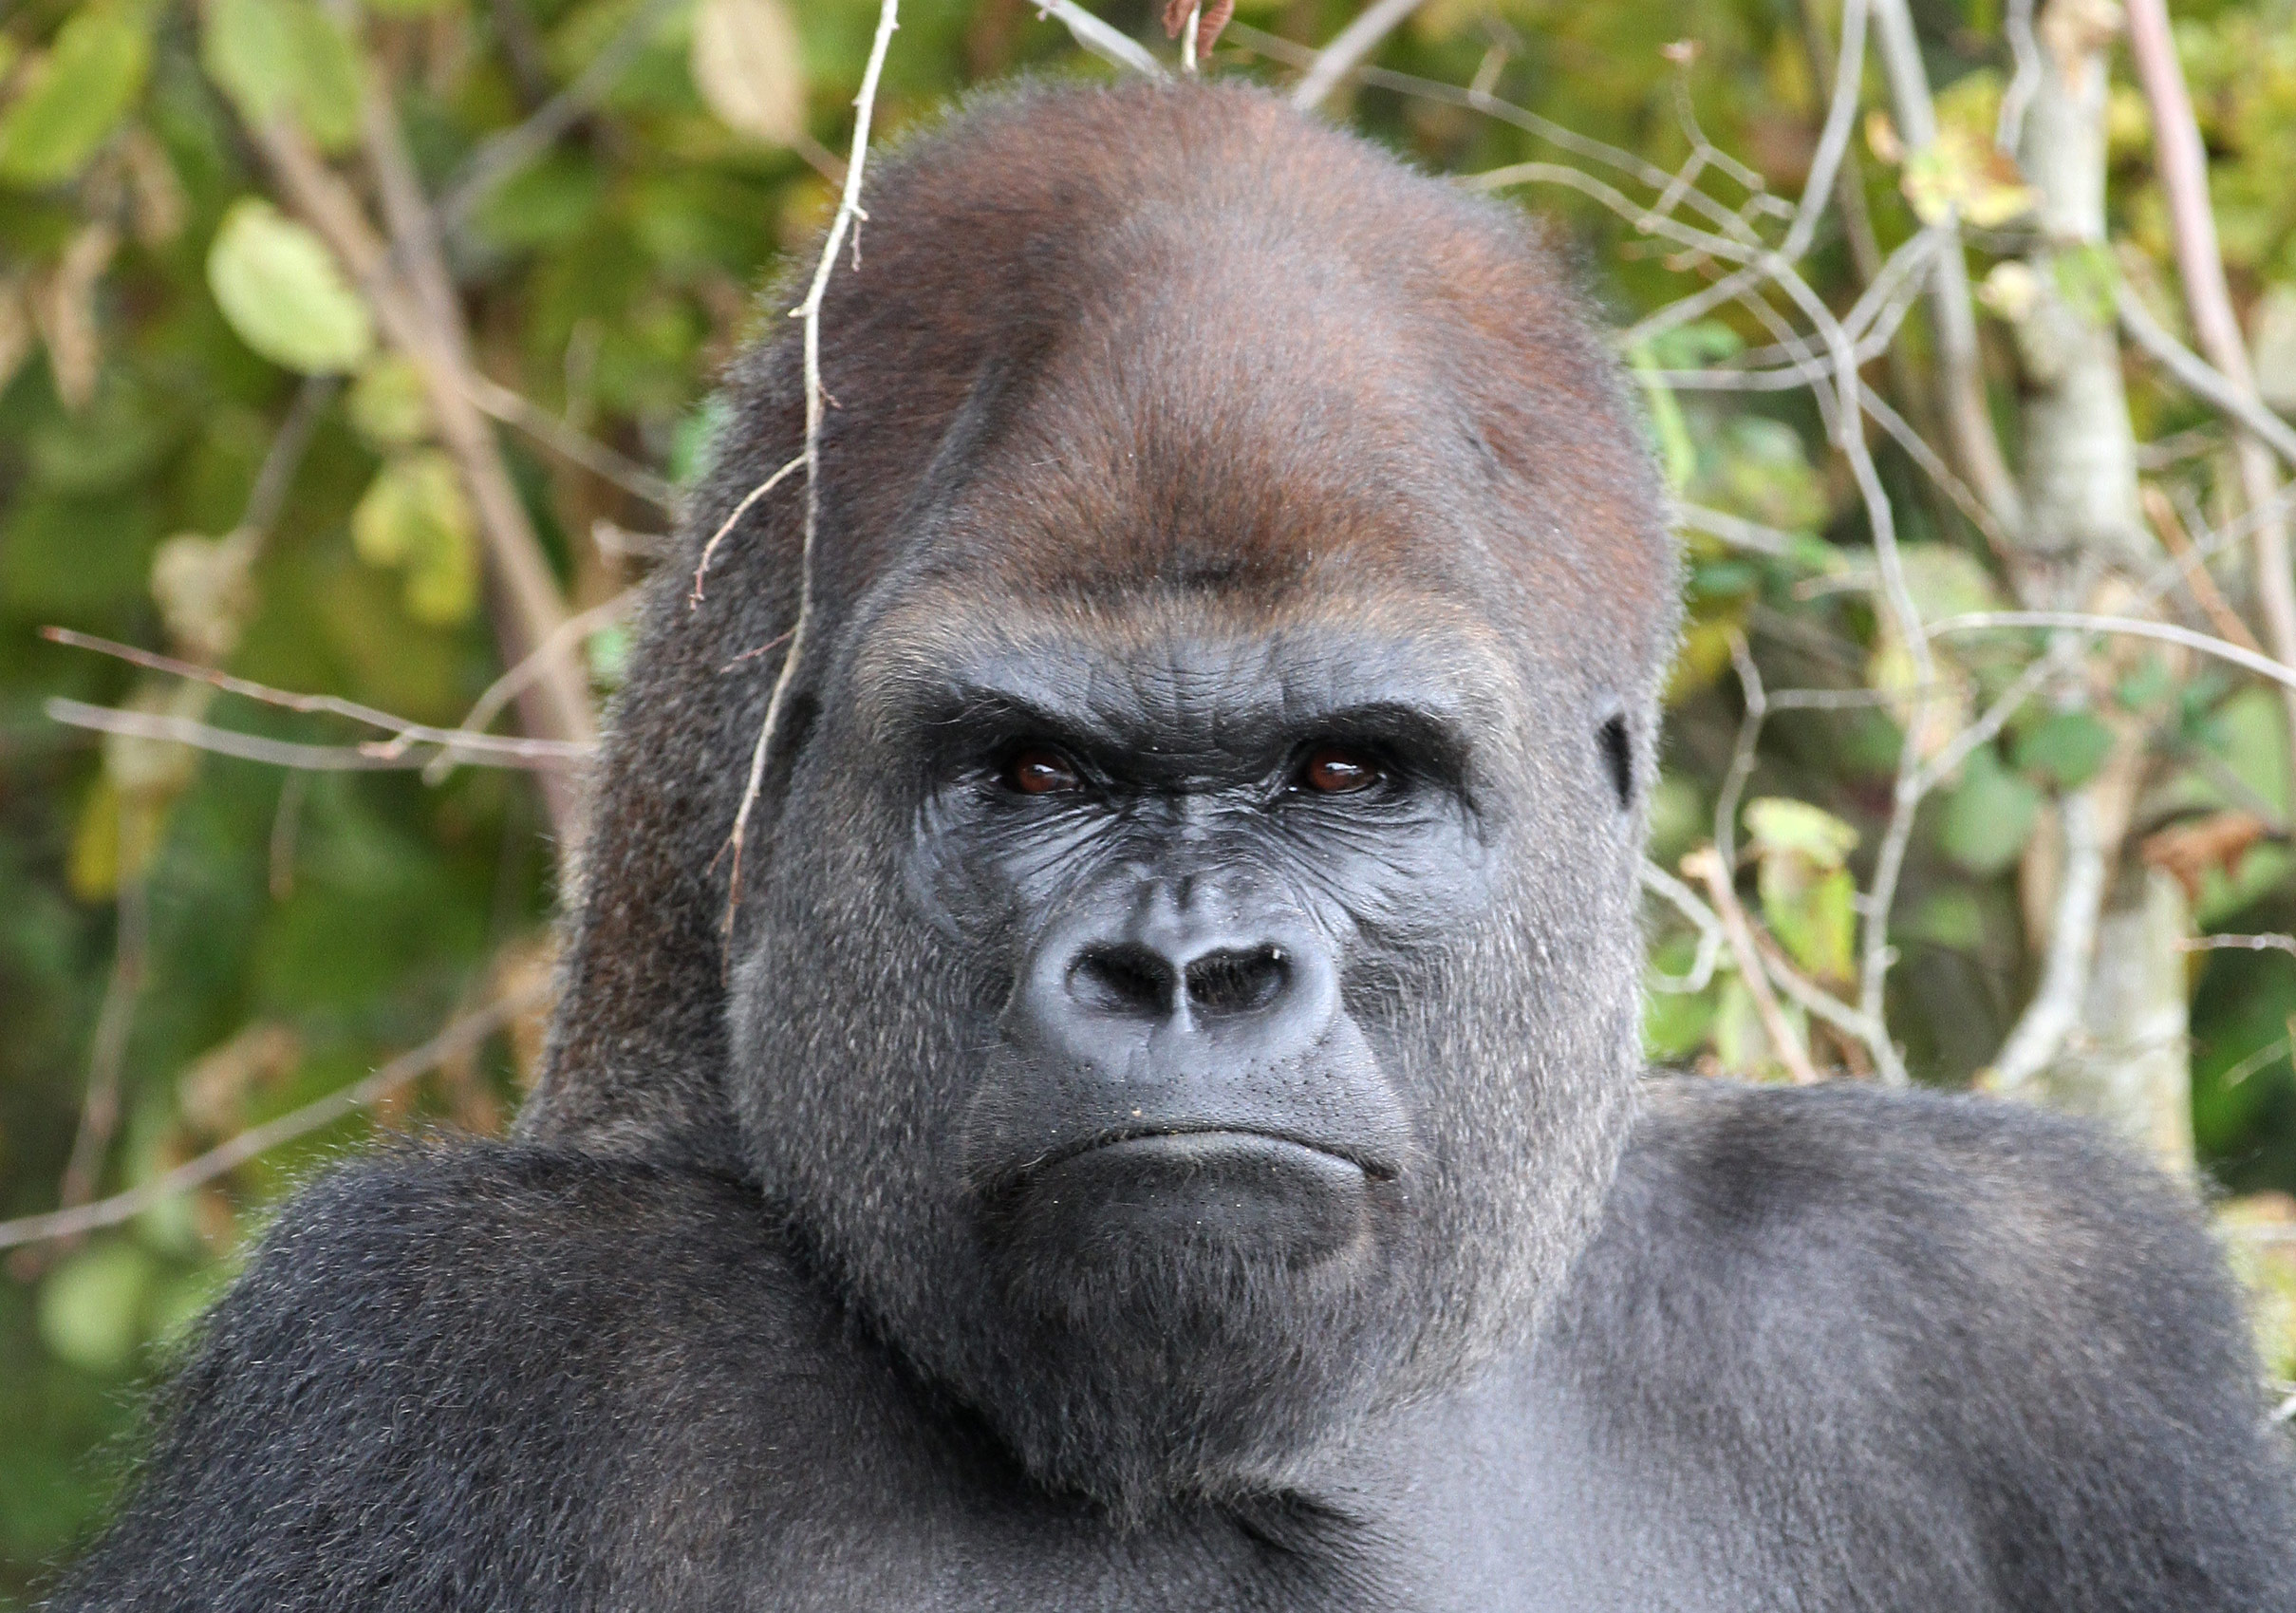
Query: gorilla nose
point(1130, 979)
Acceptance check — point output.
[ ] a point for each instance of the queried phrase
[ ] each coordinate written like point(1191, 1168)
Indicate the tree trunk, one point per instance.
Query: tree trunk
point(2121, 1055)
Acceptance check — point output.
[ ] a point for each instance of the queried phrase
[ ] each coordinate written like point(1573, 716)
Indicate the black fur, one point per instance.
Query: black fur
point(1196, 1187)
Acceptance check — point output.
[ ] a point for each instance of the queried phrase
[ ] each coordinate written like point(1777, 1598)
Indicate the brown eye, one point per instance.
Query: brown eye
point(1334, 771)
point(1040, 772)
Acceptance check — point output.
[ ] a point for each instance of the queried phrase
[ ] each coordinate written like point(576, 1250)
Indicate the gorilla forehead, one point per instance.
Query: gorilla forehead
point(1217, 343)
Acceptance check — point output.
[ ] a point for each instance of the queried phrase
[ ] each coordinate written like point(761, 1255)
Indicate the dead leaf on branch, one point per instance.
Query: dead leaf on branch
point(749, 65)
point(2191, 848)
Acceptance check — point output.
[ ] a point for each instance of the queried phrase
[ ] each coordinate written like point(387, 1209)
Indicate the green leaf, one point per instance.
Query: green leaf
point(281, 291)
point(415, 515)
point(92, 78)
point(1807, 894)
point(2065, 750)
point(90, 1306)
point(389, 404)
point(1676, 452)
point(1988, 818)
point(275, 57)
point(1949, 917)
point(1781, 826)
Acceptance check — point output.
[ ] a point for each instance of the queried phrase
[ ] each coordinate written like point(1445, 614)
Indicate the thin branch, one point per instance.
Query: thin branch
point(1100, 39)
point(1704, 865)
point(503, 689)
point(2198, 583)
point(2009, 131)
point(1710, 937)
point(515, 409)
point(402, 731)
point(2127, 627)
point(848, 209)
point(457, 1039)
point(2181, 165)
point(2203, 380)
point(1478, 98)
point(2238, 943)
point(1348, 48)
point(100, 1108)
point(1742, 755)
point(285, 457)
point(1960, 364)
point(479, 750)
point(701, 565)
point(1735, 531)
point(505, 154)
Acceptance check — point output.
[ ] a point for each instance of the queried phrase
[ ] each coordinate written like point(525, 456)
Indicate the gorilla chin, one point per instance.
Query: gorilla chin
point(1196, 1314)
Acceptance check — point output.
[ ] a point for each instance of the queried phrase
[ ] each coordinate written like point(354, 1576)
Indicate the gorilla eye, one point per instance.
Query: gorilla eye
point(1036, 771)
point(1334, 770)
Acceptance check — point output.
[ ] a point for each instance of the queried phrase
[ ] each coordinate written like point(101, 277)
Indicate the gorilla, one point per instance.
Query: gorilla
point(1159, 1123)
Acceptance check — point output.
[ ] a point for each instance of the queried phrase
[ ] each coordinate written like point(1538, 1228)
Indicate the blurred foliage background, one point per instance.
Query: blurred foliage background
point(217, 442)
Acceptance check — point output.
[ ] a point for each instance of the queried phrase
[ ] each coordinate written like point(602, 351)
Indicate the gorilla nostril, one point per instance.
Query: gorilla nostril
point(1124, 980)
point(1236, 981)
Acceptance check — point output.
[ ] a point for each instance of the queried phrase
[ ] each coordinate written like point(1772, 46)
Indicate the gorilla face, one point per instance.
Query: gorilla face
point(1237, 1088)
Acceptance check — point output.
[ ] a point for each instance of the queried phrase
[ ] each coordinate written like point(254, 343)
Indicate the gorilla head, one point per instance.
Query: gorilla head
point(1183, 993)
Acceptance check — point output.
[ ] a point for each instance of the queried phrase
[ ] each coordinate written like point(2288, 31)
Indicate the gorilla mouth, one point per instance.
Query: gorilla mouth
point(1184, 1139)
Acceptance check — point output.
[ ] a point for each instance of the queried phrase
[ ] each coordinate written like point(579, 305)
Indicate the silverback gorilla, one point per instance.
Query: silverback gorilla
point(1164, 1128)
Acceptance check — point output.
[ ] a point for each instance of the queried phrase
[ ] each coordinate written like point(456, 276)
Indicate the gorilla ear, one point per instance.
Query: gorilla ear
point(1617, 757)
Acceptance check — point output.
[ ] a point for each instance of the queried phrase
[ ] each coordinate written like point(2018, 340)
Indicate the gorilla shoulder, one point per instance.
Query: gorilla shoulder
point(446, 1345)
point(2020, 1340)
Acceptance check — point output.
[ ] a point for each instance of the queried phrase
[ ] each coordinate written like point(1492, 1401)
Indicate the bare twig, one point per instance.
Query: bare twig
point(472, 745)
point(284, 456)
point(479, 750)
point(2162, 513)
point(1348, 48)
point(457, 1039)
point(848, 209)
point(1742, 755)
point(1961, 378)
point(709, 550)
point(2267, 943)
point(424, 322)
point(1097, 37)
point(2008, 132)
point(2203, 380)
point(2182, 168)
point(100, 1108)
point(503, 689)
point(1710, 937)
point(2127, 627)
point(1704, 865)
point(1734, 530)
point(515, 409)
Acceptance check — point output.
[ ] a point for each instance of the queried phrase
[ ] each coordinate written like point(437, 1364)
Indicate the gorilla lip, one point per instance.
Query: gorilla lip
point(1374, 1169)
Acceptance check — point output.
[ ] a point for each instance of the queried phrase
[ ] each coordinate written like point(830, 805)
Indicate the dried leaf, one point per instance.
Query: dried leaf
point(749, 66)
point(205, 590)
point(1963, 175)
point(63, 306)
point(2189, 850)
